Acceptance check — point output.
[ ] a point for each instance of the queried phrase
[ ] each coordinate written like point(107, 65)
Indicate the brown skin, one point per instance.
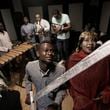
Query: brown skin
point(26, 20)
point(46, 55)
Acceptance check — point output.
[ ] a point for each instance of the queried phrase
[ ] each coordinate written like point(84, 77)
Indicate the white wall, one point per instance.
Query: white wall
point(105, 16)
point(7, 18)
point(76, 15)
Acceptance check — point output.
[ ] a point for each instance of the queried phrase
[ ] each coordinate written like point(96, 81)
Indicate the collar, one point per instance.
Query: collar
point(44, 74)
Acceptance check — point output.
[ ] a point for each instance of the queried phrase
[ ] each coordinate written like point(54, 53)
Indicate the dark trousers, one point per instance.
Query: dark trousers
point(63, 48)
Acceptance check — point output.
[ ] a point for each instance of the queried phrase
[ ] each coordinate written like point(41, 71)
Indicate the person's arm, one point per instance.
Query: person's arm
point(47, 26)
point(4, 49)
point(67, 25)
point(22, 31)
point(61, 91)
point(9, 45)
point(28, 85)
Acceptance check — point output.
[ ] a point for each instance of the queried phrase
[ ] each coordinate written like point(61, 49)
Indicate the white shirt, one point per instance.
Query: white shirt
point(5, 42)
point(64, 20)
point(44, 24)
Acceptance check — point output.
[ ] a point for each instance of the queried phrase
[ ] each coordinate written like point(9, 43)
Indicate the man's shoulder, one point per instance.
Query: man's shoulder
point(5, 32)
point(44, 20)
point(59, 66)
point(32, 63)
point(64, 14)
point(22, 26)
point(31, 24)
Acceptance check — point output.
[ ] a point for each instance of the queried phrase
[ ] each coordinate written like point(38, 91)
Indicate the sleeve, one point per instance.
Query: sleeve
point(67, 19)
point(33, 29)
point(27, 80)
point(22, 31)
point(60, 91)
point(3, 49)
point(53, 20)
point(9, 43)
point(47, 26)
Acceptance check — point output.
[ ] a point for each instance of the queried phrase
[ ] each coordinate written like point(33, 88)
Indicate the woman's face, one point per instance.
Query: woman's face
point(88, 45)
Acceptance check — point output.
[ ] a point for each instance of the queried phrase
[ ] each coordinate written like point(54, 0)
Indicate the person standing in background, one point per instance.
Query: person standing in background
point(27, 31)
point(5, 46)
point(42, 28)
point(61, 26)
point(28, 34)
point(5, 42)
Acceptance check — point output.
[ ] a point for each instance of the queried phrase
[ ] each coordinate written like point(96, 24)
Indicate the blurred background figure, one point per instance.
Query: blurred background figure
point(27, 31)
point(5, 42)
point(61, 26)
point(28, 34)
point(5, 46)
point(42, 28)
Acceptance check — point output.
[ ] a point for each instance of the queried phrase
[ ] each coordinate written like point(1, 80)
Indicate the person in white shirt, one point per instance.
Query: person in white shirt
point(61, 26)
point(42, 28)
point(5, 46)
point(5, 42)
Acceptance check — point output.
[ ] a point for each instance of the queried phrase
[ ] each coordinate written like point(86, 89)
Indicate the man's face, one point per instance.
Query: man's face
point(26, 20)
point(57, 15)
point(38, 17)
point(46, 52)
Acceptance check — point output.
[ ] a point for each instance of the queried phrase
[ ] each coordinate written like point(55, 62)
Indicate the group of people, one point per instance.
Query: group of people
point(42, 30)
point(90, 89)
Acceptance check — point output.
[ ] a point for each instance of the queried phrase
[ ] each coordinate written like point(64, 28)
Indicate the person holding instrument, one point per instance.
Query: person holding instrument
point(61, 26)
point(42, 28)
